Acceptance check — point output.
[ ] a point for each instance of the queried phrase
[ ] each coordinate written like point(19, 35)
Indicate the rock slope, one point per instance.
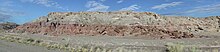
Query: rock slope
point(123, 23)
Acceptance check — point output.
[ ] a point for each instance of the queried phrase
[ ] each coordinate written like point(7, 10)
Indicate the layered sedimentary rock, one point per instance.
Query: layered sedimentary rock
point(96, 29)
point(123, 23)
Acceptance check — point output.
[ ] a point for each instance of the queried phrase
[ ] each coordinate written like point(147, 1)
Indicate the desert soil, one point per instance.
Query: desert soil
point(157, 45)
point(16, 47)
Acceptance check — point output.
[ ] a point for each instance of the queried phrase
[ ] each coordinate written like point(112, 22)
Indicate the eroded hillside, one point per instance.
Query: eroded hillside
point(123, 23)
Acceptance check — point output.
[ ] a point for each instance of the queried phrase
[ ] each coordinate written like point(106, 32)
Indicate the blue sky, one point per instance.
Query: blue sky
point(22, 11)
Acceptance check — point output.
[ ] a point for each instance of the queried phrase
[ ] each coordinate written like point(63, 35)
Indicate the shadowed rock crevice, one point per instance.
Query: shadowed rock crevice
point(218, 17)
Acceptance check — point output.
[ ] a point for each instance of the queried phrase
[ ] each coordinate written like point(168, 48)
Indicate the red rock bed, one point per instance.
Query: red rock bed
point(94, 30)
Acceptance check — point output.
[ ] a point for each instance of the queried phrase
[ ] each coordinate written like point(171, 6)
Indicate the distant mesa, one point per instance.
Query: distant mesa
point(7, 26)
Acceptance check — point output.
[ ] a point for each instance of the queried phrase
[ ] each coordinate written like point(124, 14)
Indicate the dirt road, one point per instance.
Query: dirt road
point(17, 47)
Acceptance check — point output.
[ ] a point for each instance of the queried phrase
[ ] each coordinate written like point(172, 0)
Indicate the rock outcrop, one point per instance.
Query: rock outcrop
point(120, 24)
point(8, 25)
point(96, 29)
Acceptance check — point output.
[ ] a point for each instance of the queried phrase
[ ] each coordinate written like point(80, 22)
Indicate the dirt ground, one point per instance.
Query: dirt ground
point(206, 41)
point(16, 47)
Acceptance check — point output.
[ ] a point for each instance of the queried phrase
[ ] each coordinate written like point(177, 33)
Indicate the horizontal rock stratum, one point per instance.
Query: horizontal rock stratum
point(123, 23)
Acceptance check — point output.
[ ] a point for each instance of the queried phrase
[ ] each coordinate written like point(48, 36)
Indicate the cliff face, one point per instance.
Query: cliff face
point(120, 24)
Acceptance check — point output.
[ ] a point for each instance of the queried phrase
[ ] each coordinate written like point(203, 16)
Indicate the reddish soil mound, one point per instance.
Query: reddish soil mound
point(53, 28)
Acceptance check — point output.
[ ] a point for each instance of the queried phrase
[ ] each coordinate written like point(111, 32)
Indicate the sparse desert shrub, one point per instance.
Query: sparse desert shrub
point(44, 44)
point(109, 50)
point(178, 47)
point(91, 49)
point(1, 38)
point(38, 41)
point(193, 49)
point(1, 31)
point(30, 40)
point(21, 31)
point(215, 50)
point(98, 50)
point(174, 47)
point(55, 45)
point(84, 50)
point(72, 50)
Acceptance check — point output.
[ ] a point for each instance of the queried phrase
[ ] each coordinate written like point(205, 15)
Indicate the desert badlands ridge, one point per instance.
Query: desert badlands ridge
point(119, 31)
point(125, 23)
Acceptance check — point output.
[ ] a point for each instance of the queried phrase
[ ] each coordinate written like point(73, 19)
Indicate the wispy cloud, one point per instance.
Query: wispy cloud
point(204, 9)
point(166, 5)
point(102, 0)
point(6, 3)
point(47, 3)
point(4, 17)
point(6, 12)
point(120, 1)
point(200, 9)
point(96, 6)
point(132, 7)
point(200, 0)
